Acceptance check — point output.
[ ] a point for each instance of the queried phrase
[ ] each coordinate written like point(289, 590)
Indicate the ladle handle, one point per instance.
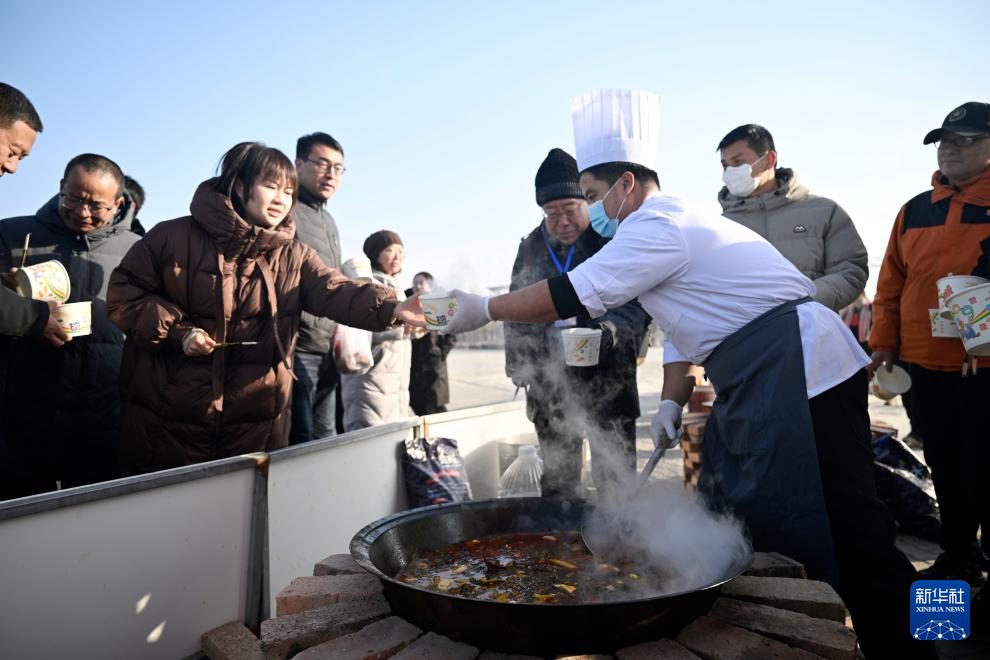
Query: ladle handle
point(652, 463)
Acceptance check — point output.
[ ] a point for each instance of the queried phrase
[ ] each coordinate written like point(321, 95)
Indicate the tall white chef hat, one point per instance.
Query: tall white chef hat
point(613, 125)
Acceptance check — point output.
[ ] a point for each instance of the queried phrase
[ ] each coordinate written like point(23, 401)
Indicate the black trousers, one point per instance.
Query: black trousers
point(874, 576)
point(613, 450)
point(951, 414)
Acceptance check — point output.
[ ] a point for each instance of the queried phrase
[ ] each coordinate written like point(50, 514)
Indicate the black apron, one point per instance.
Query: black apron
point(759, 458)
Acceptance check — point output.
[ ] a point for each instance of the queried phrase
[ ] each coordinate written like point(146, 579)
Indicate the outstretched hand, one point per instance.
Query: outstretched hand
point(472, 313)
point(885, 358)
point(53, 332)
point(410, 312)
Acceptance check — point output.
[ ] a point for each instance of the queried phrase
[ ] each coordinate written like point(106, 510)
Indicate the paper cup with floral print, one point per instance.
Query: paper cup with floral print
point(45, 281)
point(75, 318)
point(581, 346)
point(438, 310)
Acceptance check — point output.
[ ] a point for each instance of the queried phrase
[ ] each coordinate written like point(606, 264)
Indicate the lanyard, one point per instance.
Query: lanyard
point(556, 262)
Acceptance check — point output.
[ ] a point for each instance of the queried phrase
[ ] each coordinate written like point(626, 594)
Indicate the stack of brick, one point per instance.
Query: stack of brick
point(340, 614)
point(693, 424)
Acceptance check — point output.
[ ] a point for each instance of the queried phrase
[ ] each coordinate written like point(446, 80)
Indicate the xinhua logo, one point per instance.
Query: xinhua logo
point(940, 610)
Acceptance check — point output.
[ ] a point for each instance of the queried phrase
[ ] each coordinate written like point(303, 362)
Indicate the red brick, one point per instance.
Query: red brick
point(338, 565)
point(810, 597)
point(231, 641)
point(820, 636)
point(306, 593)
point(287, 635)
point(432, 646)
point(376, 641)
point(714, 639)
point(774, 564)
point(662, 649)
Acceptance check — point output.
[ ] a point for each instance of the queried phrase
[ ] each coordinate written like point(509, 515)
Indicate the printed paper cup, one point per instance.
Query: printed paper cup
point(953, 284)
point(438, 311)
point(888, 384)
point(45, 281)
point(941, 326)
point(358, 268)
point(75, 318)
point(581, 346)
point(971, 312)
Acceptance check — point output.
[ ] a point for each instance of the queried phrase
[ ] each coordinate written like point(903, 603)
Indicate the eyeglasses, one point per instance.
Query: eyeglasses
point(322, 166)
point(949, 140)
point(572, 214)
point(73, 203)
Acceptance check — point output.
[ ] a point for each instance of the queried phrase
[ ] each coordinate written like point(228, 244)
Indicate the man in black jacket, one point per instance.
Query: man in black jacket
point(565, 403)
point(429, 386)
point(62, 404)
point(320, 166)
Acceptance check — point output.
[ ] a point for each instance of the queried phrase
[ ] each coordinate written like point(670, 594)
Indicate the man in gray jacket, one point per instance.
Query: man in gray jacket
point(320, 165)
point(812, 232)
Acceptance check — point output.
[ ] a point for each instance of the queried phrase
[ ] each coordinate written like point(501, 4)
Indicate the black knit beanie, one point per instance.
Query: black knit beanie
point(374, 244)
point(557, 178)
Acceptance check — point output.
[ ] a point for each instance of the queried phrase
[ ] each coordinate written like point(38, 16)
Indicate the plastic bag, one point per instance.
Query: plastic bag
point(352, 350)
point(434, 472)
point(905, 485)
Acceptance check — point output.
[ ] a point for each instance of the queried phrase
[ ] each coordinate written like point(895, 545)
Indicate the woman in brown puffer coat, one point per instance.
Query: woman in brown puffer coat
point(210, 304)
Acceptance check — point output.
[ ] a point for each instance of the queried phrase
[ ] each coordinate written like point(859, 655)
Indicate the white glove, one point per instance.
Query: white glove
point(666, 424)
point(472, 313)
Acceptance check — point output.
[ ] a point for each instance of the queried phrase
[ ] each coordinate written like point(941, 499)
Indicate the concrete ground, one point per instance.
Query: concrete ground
point(477, 377)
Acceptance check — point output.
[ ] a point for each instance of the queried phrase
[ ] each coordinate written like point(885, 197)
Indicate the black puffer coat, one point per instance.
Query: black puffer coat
point(534, 355)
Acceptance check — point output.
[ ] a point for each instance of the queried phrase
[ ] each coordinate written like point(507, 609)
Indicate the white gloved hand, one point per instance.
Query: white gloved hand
point(666, 424)
point(472, 313)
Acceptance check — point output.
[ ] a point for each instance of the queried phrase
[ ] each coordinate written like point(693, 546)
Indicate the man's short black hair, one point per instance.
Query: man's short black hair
point(136, 191)
point(305, 144)
point(424, 274)
point(757, 138)
point(610, 173)
point(14, 107)
point(97, 163)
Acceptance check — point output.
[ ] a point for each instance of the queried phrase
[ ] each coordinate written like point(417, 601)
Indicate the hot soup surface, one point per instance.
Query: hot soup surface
point(551, 567)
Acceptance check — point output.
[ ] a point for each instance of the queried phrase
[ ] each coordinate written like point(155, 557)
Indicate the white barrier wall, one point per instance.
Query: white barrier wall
point(131, 573)
point(321, 493)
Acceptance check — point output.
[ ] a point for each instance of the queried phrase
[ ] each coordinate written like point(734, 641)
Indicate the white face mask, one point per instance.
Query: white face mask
point(740, 180)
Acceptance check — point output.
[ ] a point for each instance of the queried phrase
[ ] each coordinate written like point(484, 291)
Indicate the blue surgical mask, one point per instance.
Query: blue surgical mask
point(600, 222)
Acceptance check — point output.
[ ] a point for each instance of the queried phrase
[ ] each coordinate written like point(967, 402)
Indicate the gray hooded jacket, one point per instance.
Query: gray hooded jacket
point(812, 232)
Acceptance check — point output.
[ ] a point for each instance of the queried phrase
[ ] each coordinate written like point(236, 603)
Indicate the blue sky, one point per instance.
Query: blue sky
point(445, 110)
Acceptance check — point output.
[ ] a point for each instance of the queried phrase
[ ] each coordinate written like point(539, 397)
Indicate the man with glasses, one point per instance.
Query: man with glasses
point(320, 166)
point(62, 403)
point(567, 404)
point(941, 231)
point(812, 232)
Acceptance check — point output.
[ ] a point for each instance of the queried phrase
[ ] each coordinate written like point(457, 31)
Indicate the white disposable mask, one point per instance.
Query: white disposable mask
point(740, 180)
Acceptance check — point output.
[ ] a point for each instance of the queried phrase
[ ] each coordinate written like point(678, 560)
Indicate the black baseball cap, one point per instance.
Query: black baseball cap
point(969, 119)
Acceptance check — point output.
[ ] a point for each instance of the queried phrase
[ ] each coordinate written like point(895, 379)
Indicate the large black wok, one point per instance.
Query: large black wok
point(384, 547)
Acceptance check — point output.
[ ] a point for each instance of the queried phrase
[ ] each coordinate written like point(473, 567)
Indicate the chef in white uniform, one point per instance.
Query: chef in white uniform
point(787, 445)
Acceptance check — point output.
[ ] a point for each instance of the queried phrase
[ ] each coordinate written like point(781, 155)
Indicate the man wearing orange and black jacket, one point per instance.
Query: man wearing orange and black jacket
point(941, 231)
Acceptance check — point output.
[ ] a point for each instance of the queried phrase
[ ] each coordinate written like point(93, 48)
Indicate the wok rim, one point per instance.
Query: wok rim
point(367, 535)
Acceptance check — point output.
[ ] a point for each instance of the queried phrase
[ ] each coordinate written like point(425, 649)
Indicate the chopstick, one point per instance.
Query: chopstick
point(24, 253)
point(236, 343)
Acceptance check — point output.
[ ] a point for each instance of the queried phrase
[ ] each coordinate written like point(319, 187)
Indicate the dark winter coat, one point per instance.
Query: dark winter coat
point(534, 355)
point(316, 228)
point(239, 283)
point(429, 387)
point(67, 399)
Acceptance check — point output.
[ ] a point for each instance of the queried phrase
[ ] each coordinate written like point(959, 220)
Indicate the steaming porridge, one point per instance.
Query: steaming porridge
point(550, 568)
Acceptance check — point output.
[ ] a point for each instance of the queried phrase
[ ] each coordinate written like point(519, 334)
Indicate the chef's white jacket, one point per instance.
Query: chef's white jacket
point(702, 277)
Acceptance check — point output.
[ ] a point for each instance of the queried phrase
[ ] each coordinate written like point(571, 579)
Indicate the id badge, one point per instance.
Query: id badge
point(566, 323)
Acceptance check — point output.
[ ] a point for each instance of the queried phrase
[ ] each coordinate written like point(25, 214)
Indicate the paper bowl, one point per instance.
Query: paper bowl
point(888, 384)
point(438, 311)
point(45, 281)
point(75, 318)
point(941, 326)
point(581, 346)
point(358, 268)
point(953, 284)
point(971, 313)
